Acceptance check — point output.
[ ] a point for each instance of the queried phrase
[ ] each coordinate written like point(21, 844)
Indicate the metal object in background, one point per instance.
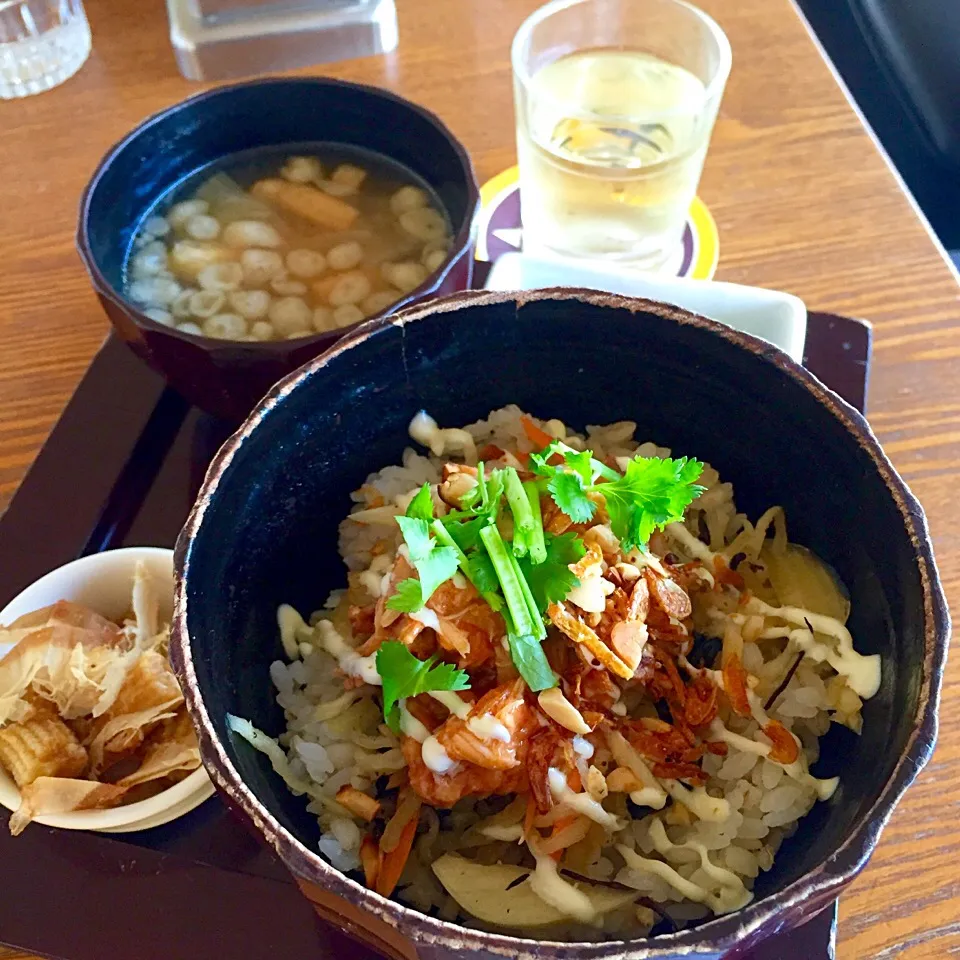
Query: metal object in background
point(223, 39)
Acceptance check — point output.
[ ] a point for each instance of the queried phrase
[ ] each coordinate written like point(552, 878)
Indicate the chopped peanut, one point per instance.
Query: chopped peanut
point(556, 706)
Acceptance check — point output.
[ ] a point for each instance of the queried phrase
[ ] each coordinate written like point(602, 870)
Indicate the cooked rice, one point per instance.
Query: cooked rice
point(334, 738)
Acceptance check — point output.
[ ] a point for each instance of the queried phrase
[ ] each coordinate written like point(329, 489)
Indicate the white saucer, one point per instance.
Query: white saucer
point(779, 318)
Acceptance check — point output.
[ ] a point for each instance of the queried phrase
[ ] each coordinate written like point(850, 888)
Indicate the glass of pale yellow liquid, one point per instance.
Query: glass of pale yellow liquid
point(615, 101)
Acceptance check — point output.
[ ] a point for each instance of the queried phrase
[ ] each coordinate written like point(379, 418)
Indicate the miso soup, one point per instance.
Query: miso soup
point(276, 244)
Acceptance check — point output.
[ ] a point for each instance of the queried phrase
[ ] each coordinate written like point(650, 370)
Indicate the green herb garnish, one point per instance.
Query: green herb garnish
point(531, 662)
point(421, 506)
point(435, 565)
point(404, 675)
point(551, 581)
point(525, 620)
point(521, 576)
point(651, 493)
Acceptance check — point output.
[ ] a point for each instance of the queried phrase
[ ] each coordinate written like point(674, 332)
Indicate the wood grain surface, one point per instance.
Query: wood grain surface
point(803, 201)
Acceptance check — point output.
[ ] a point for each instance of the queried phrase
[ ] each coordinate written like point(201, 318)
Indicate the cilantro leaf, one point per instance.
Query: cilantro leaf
point(570, 495)
point(439, 567)
point(408, 596)
point(652, 493)
point(421, 506)
point(551, 581)
point(581, 464)
point(404, 675)
point(537, 462)
point(416, 533)
point(528, 657)
point(466, 534)
point(434, 564)
point(482, 573)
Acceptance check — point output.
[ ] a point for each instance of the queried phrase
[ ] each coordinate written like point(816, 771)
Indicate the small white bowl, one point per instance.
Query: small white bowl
point(103, 582)
point(777, 317)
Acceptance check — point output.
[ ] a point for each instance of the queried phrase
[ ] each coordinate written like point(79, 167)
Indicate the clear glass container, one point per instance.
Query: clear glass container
point(615, 103)
point(42, 43)
point(227, 39)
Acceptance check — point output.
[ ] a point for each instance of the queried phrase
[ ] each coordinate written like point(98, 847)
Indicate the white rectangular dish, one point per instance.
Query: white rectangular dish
point(777, 317)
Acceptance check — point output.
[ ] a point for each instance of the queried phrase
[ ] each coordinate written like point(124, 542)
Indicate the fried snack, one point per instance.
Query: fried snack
point(149, 695)
point(83, 696)
point(100, 631)
point(49, 795)
point(174, 749)
point(75, 664)
point(43, 746)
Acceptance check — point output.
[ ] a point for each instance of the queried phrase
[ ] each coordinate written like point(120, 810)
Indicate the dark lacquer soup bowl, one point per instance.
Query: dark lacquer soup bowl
point(228, 377)
point(264, 532)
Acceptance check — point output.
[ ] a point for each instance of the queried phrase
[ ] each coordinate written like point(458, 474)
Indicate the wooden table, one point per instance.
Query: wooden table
point(803, 201)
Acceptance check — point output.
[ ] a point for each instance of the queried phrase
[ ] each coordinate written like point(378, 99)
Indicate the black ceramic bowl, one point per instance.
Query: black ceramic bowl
point(223, 377)
point(264, 532)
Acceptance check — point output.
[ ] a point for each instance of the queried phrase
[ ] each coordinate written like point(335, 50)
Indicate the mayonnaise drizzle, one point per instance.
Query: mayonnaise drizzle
point(410, 726)
point(731, 895)
point(581, 803)
point(551, 888)
point(349, 660)
point(698, 801)
point(488, 727)
point(692, 545)
point(435, 758)
point(862, 672)
point(583, 747)
point(459, 708)
point(427, 617)
point(798, 770)
point(376, 578)
point(292, 627)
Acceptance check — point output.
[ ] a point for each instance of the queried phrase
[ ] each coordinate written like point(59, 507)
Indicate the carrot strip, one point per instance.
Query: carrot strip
point(393, 862)
point(530, 815)
point(537, 436)
point(370, 858)
point(735, 686)
point(560, 824)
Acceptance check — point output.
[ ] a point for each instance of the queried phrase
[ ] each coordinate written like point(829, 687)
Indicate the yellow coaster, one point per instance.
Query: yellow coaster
point(500, 230)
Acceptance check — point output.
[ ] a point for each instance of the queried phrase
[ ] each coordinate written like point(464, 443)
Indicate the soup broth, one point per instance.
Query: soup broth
point(279, 244)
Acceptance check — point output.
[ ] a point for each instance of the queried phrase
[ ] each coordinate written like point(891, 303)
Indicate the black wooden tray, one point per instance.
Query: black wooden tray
point(122, 466)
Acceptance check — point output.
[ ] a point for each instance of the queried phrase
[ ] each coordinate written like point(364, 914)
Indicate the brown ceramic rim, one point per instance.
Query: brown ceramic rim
point(799, 899)
point(461, 242)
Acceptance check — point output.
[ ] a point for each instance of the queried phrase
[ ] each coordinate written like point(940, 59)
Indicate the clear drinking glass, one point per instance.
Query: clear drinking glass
point(615, 102)
point(42, 43)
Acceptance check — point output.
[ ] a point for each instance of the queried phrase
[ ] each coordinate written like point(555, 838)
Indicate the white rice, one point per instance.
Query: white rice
point(334, 738)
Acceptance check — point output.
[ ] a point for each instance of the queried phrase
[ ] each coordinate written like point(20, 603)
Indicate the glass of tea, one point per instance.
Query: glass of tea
point(615, 102)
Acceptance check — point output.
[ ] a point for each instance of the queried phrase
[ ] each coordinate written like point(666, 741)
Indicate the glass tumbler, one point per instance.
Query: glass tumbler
point(42, 43)
point(615, 104)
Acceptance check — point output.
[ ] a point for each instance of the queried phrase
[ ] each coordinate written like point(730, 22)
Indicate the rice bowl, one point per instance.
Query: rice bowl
point(683, 726)
point(264, 530)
